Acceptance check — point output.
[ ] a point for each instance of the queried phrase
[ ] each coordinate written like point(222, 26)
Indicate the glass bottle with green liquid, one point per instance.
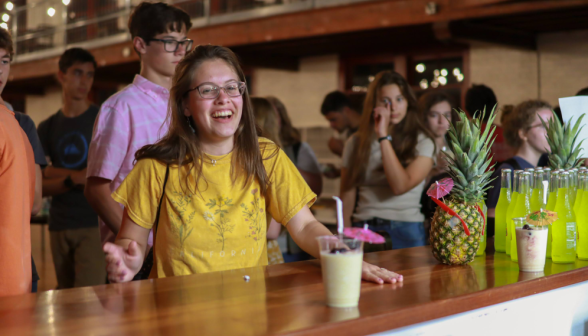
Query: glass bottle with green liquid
point(522, 209)
point(552, 200)
point(563, 246)
point(500, 212)
point(537, 195)
point(482, 248)
point(582, 220)
point(579, 194)
point(510, 209)
point(573, 183)
point(547, 177)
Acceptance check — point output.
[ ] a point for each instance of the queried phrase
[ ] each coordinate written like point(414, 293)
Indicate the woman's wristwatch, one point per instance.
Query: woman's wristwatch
point(389, 137)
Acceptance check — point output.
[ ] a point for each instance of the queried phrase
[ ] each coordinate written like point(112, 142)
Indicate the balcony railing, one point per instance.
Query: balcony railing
point(45, 28)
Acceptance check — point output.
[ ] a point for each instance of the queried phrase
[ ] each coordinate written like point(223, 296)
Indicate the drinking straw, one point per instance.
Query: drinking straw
point(339, 214)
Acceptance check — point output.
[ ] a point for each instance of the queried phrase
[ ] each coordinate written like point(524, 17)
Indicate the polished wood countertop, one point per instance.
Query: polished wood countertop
point(280, 299)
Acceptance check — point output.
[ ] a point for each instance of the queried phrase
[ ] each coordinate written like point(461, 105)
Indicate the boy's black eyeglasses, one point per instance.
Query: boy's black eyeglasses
point(173, 45)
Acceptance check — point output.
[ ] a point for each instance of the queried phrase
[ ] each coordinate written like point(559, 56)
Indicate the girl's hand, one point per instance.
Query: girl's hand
point(121, 264)
point(382, 120)
point(379, 275)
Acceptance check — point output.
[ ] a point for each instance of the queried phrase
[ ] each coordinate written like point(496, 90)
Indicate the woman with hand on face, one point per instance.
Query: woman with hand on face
point(216, 180)
point(386, 162)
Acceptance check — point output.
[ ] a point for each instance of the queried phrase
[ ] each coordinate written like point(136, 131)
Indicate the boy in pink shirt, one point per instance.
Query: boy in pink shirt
point(135, 116)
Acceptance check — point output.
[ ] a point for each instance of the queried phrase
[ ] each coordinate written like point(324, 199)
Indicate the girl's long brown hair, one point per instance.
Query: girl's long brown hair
point(266, 118)
point(405, 133)
point(181, 146)
point(430, 99)
point(288, 134)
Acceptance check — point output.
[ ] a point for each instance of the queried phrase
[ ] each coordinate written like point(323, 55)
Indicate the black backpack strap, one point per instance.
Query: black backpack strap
point(160, 202)
point(148, 261)
point(296, 148)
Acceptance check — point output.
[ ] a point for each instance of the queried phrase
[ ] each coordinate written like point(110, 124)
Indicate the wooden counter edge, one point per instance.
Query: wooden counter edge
point(447, 307)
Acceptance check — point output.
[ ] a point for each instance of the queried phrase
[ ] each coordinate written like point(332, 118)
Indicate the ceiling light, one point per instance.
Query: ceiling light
point(4, 25)
point(9, 5)
point(443, 80)
point(51, 11)
point(424, 84)
point(5, 17)
point(420, 68)
point(444, 72)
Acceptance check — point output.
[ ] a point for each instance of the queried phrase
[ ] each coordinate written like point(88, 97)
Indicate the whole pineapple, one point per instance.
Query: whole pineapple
point(468, 166)
point(562, 140)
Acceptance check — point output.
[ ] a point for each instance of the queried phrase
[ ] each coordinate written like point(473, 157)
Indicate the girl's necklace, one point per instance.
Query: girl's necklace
point(213, 161)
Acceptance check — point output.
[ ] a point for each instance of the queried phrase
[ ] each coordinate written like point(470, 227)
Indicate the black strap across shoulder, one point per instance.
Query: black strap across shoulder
point(160, 202)
point(148, 261)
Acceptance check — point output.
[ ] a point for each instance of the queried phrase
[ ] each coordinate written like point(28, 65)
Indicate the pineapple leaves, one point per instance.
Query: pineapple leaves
point(471, 166)
point(563, 141)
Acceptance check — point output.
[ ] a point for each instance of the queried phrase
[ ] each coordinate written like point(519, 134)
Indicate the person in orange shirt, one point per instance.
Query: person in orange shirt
point(17, 191)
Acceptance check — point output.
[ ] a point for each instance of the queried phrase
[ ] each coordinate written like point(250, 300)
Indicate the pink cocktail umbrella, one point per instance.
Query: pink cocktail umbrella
point(364, 234)
point(440, 188)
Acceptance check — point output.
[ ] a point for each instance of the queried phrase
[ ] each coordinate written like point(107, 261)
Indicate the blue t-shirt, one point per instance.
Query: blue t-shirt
point(66, 142)
point(494, 192)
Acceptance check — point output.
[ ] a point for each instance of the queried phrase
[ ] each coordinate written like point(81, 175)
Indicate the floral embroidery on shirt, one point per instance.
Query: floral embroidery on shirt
point(255, 216)
point(223, 225)
point(182, 221)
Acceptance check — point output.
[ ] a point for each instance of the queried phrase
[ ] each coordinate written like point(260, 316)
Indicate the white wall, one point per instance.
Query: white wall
point(510, 72)
point(301, 91)
point(559, 68)
point(40, 108)
point(564, 64)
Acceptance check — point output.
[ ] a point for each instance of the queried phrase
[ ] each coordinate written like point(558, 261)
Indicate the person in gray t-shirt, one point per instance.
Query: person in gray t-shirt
point(386, 162)
point(300, 153)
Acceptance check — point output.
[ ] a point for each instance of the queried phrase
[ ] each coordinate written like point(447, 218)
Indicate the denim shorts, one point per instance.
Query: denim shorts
point(402, 234)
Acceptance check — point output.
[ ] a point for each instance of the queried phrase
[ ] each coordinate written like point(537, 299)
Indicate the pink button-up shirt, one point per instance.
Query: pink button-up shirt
point(129, 120)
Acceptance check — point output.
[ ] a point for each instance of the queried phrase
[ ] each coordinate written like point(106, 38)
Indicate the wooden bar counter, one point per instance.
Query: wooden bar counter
point(281, 299)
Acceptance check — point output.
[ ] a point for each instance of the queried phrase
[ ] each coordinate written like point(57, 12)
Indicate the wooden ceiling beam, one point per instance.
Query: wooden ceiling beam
point(325, 21)
point(463, 30)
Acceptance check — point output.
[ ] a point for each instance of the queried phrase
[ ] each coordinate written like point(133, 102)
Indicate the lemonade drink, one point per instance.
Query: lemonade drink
point(579, 194)
point(563, 246)
point(582, 220)
point(500, 212)
point(482, 247)
point(522, 209)
point(553, 181)
point(510, 209)
point(537, 195)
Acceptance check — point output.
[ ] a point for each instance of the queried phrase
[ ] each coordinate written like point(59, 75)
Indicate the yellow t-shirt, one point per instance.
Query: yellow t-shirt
point(221, 228)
